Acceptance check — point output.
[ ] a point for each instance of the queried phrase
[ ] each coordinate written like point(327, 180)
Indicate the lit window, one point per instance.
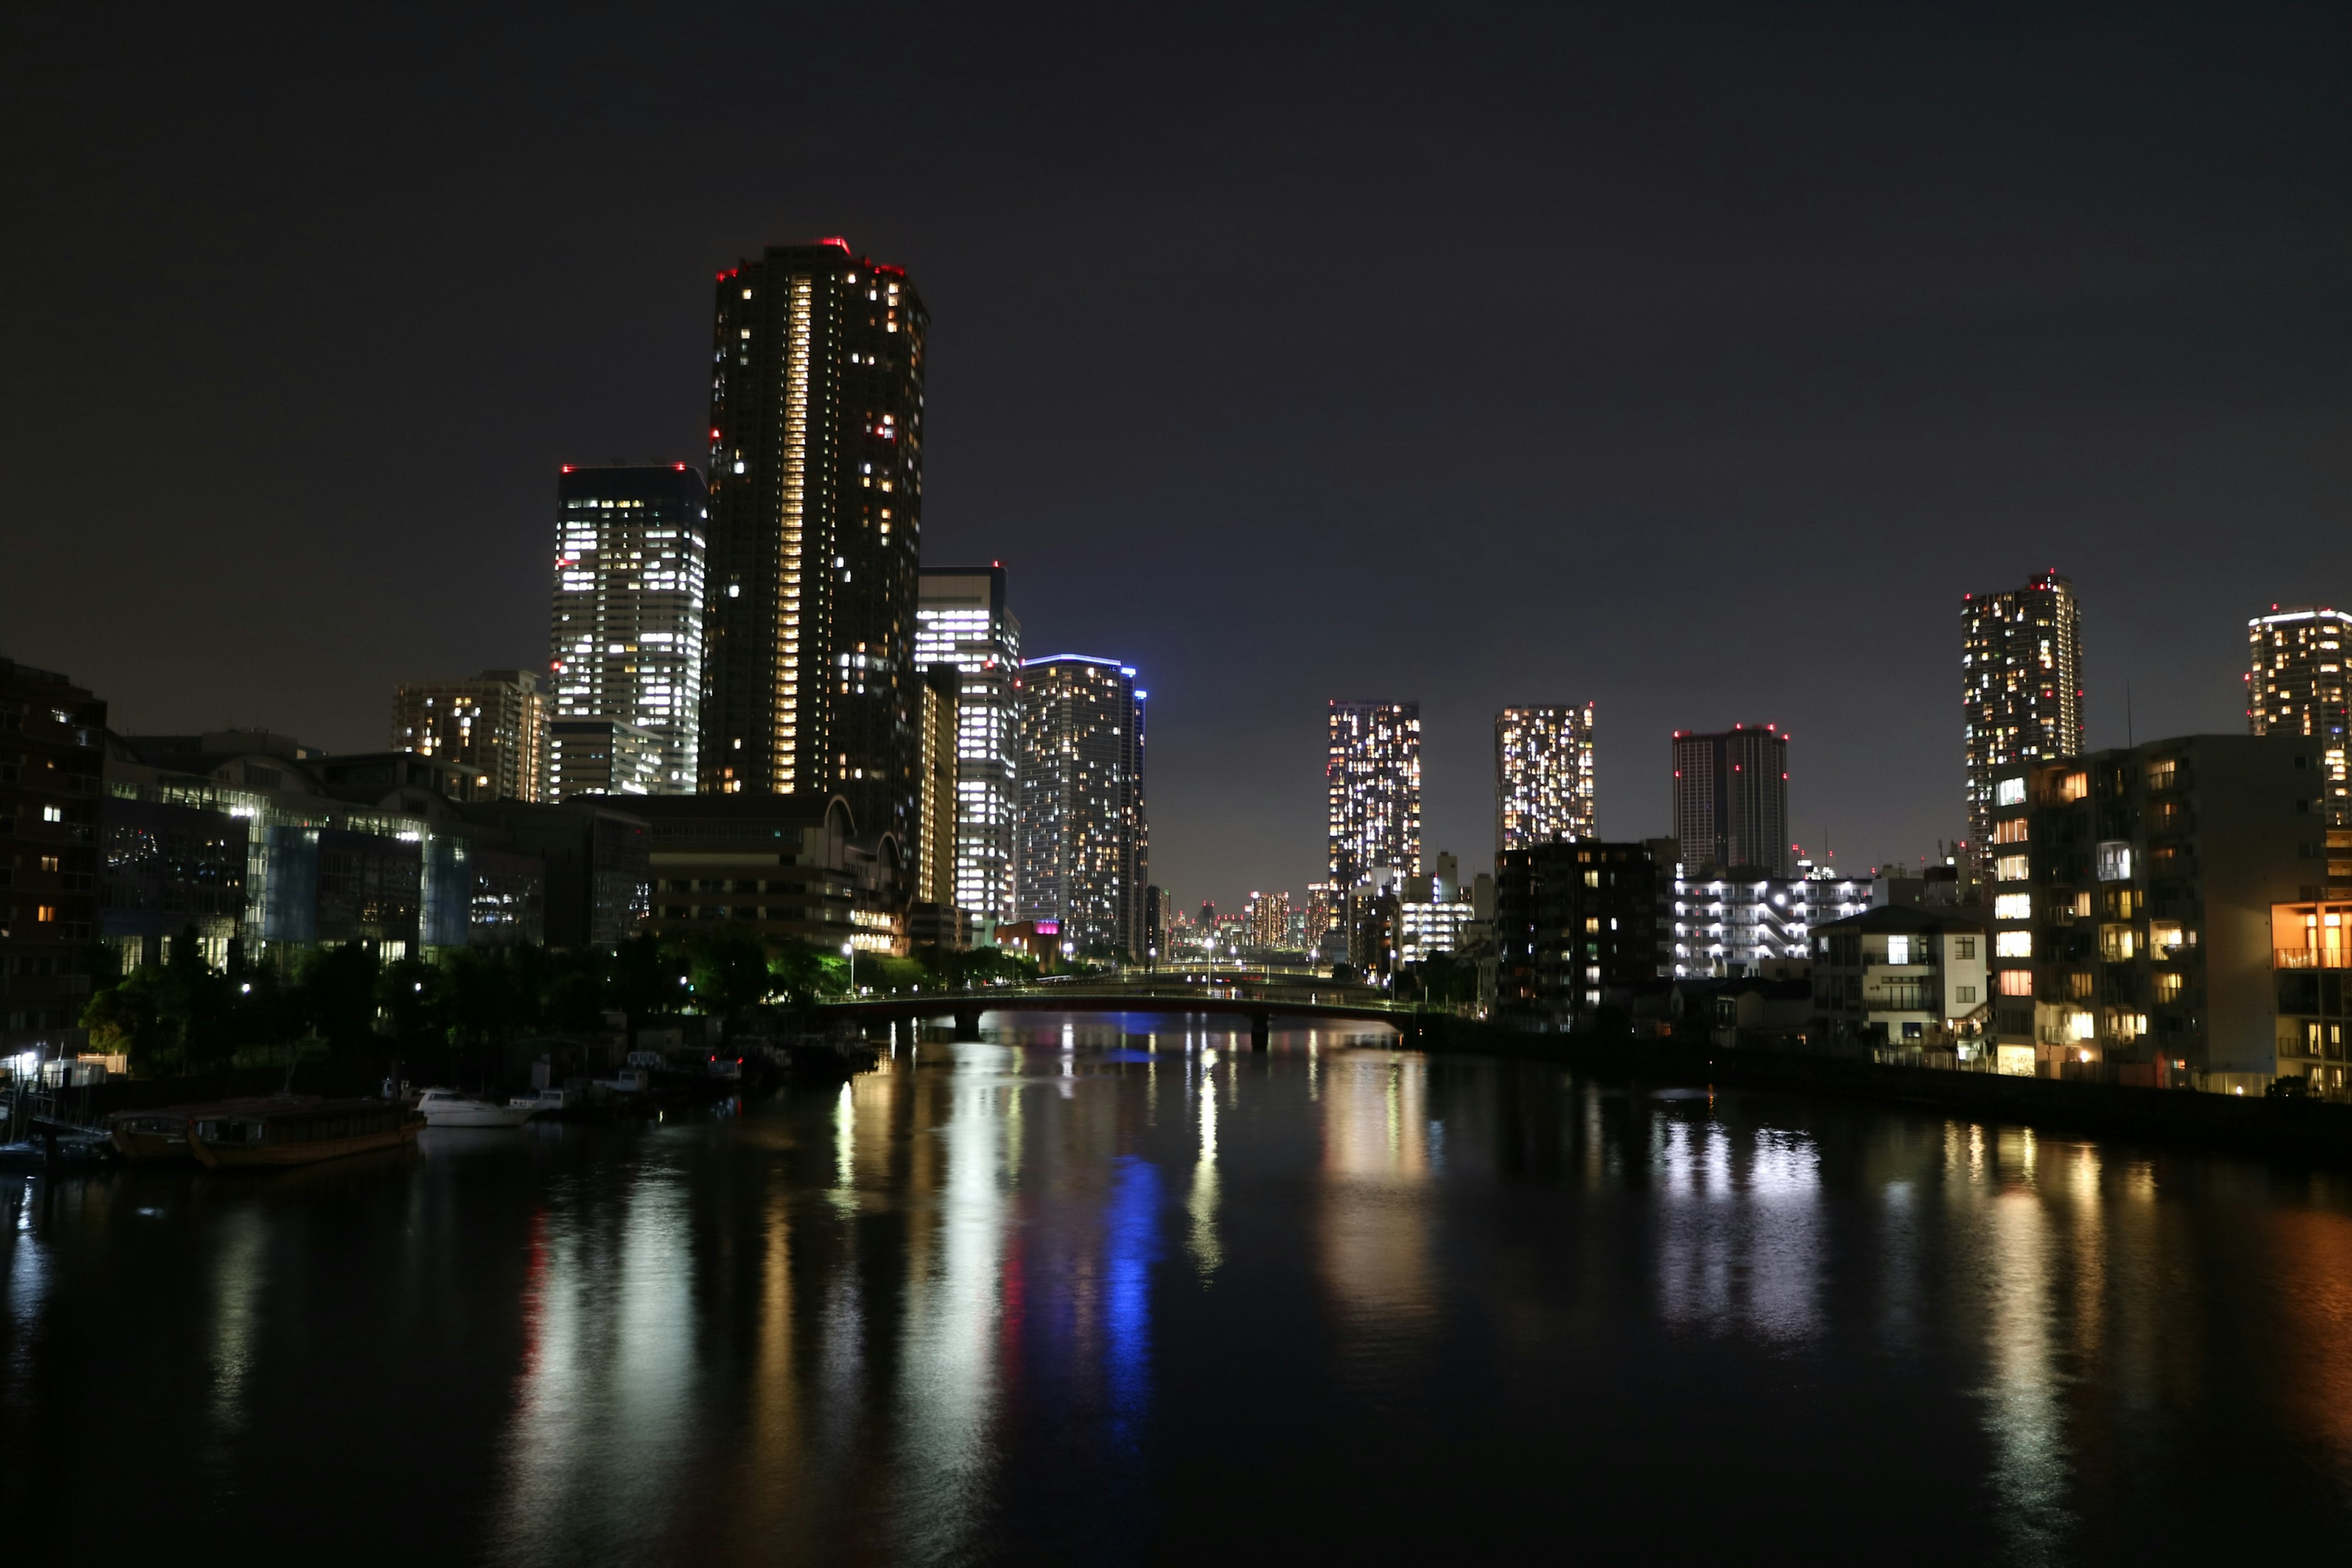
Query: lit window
point(2012, 944)
point(2012, 905)
point(2017, 981)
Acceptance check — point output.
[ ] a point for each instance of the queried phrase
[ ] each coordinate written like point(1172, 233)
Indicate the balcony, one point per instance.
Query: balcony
point(2311, 958)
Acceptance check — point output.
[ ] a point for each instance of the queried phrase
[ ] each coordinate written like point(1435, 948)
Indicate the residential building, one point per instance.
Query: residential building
point(52, 735)
point(1579, 927)
point(1910, 984)
point(936, 839)
point(1085, 851)
point(2133, 895)
point(1731, 800)
point(816, 496)
point(1371, 779)
point(494, 726)
point(1543, 777)
point(2310, 952)
point(2021, 687)
point(2297, 686)
point(625, 636)
point(961, 620)
point(783, 869)
point(1731, 925)
point(605, 756)
point(1268, 919)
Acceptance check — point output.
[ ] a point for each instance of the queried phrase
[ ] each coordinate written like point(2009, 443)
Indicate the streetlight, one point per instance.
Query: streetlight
point(849, 952)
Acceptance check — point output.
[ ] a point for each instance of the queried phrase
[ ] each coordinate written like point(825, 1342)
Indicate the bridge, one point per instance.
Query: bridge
point(1260, 1002)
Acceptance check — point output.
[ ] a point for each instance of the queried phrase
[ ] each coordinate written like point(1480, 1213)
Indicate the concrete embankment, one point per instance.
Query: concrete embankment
point(2305, 1131)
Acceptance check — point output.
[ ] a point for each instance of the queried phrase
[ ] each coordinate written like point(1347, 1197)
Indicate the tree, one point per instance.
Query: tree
point(644, 978)
point(412, 998)
point(731, 976)
point(335, 993)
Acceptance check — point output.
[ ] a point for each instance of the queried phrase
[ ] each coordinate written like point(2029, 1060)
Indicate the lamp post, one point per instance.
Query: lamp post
point(849, 952)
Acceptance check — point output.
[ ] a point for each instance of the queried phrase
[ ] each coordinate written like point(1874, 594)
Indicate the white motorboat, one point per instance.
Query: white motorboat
point(448, 1107)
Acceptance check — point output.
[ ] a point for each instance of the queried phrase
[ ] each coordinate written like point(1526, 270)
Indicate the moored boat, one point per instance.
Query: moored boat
point(159, 1133)
point(448, 1107)
point(231, 1137)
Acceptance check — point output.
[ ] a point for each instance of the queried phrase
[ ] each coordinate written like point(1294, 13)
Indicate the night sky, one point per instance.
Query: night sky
point(1691, 360)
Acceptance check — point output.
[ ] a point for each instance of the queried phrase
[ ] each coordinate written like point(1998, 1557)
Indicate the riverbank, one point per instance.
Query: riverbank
point(2305, 1131)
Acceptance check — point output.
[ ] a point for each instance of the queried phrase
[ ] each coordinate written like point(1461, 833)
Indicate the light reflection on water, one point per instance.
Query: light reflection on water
point(1143, 1294)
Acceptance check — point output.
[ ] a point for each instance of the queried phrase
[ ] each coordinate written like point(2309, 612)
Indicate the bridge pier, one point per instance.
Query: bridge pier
point(1261, 1026)
point(967, 1023)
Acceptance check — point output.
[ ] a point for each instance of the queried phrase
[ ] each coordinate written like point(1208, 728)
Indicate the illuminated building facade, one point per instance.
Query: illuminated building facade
point(624, 644)
point(1578, 927)
point(2297, 687)
point(1371, 779)
point(1728, 926)
point(1084, 852)
point(1543, 776)
point(817, 497)
point(935, 848)
point(961, 619)
point(2311, 957)
point(2021, 686)
point(2133, 899)
point(1731, 800)
point(494, 726)
point(784, 870)
point(603, 756)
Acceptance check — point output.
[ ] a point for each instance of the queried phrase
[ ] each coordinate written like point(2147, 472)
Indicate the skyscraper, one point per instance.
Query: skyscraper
point(1731, 799)
point(2297, 687)
point(1371, 779)
point(1543, 776)
point(2021, 686)
point(817, 497)
point(935, 851)
point(961, 620)
point(1085, 846)
point(495, 724)
point(625, 638)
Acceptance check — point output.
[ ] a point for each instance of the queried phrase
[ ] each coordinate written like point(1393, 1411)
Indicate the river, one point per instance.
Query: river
point(1080, 1295)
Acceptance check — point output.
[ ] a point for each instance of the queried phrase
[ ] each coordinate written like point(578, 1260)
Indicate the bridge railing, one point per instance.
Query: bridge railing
point(1306, 995)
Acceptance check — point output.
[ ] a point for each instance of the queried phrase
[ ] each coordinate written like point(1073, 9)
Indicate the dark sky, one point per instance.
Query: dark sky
point(1692, 360)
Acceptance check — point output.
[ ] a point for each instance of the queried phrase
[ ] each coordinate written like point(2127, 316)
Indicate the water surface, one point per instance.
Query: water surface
point(1099, 1296)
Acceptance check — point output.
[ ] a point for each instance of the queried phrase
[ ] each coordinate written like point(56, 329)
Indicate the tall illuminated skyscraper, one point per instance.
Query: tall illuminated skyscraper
point(2297, 687)
point(1543, 777)
point(1731, 799)
point(816, 498)
point(2021, 686)
point(625, 639)
point(1085, 845)
point(1371, 779)
point(961, 620)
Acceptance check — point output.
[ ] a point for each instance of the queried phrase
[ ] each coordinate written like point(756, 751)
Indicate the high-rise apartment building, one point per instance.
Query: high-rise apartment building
point(625, 636)
point(816, 498)
point(1731, 799)
point(2297, 686)
point(935, 850)
point(961, 619)
point(2021, 686)
point(52, 753)
point(1543, 776)
point(1084, 852)
point(494, 725)
point(1371, 779)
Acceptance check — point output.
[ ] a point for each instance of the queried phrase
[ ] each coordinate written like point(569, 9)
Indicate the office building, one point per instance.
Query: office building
point(1731, 800)
point(2021, 687)
point(1908, 985)
point(1371, 779)
point(2133, 896)
point(1543, 777)
point(1578, 927)
point(2297, 686)
point(785, 870)
point(605, 756)
point(52, 739)
point(494, 726)
point(1085, 854)
point(1726, 926)
point(816, 496)
point(624, 643)
point(961, 619)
